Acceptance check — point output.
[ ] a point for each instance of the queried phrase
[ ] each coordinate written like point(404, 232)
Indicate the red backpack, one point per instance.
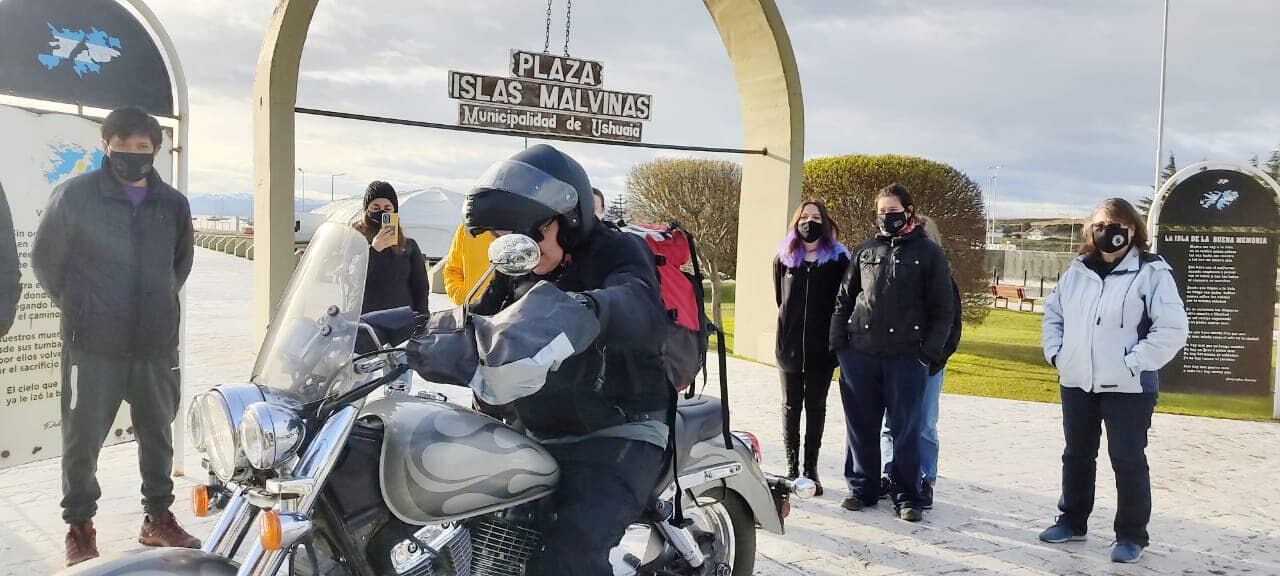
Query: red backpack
point(684, 349)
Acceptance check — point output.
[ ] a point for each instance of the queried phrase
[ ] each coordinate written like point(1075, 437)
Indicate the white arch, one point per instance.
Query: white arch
point(768, 80)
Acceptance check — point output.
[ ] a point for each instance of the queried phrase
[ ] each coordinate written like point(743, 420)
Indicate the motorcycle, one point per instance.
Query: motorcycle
point(326, 463)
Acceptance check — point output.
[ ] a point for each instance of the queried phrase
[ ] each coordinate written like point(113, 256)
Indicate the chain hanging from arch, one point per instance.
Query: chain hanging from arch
point(568, 24)
point(546, 42)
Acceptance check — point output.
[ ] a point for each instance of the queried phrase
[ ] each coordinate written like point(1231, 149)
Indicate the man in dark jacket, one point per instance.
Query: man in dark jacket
point(602, 413)
point(10, 276)
point(113, 249)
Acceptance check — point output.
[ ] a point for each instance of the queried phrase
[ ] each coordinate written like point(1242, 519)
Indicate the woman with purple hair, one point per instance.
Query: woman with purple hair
point(806, 274)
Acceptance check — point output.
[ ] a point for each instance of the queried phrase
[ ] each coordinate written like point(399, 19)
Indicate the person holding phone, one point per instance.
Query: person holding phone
point(397, 274)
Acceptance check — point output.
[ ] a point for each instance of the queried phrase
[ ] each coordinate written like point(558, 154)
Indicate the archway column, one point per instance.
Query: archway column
point(764, 68)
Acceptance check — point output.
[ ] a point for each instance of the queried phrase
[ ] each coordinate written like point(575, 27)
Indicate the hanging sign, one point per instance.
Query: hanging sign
point(548, 94)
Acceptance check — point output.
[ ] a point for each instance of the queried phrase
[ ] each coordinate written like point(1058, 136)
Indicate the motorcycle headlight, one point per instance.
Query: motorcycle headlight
point(270, 435)
point(219, 413)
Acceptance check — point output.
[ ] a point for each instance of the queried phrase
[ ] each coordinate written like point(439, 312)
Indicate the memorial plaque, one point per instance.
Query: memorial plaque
point(1217, 229)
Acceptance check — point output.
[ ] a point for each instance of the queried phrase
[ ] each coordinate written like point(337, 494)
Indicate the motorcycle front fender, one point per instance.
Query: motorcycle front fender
point(156, 562)
point(750, 483)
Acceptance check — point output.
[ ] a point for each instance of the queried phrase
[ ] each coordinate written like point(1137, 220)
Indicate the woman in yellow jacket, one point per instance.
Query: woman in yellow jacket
point(465, 264)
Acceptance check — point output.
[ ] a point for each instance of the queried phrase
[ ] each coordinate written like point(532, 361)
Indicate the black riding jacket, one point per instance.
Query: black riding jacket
point(621, 378)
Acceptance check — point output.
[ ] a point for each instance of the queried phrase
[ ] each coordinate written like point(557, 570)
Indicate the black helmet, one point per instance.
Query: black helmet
point(524, 191)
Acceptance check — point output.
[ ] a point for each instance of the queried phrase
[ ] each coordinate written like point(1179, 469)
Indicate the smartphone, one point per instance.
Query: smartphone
point(391, 220)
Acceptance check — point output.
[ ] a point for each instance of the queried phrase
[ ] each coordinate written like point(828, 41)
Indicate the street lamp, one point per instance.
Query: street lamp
point(331, 177)
point(304, 188)
point(991, 209)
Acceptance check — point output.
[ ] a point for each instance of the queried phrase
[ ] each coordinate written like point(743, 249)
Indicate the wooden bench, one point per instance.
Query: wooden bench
point(1006, 292)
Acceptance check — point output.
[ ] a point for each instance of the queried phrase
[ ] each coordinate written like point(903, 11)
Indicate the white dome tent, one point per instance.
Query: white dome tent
point(428, 216)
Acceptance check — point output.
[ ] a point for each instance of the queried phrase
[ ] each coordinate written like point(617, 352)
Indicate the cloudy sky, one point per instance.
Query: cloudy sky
point(1061, 94)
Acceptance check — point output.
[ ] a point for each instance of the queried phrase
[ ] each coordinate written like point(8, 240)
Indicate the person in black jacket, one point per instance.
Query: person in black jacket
point(603, 413)
point(397, 274)
point(932, 396)
point(891, 323)
point(112, 250)
point(806, 274)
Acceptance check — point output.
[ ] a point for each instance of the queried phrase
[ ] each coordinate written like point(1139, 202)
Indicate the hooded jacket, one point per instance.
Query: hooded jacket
point(806, 297)
point(113, 269)
point(1113, 334)
point(896, 298)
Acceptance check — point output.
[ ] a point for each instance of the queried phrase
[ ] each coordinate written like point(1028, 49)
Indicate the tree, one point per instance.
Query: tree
point(1170, 168)
point(702, 195)
point(1273, 164)
point(1253, 160)
point(848, 185)
point(617, 211)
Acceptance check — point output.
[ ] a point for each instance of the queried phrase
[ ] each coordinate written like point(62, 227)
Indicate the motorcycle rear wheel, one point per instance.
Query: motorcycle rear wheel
point(733, 525)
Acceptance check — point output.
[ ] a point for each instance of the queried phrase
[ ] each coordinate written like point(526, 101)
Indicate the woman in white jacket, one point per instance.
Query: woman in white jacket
point(1113, 321)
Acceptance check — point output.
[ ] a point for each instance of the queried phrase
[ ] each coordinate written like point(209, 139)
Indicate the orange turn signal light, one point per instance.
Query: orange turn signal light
point(272, 533)
point(200, 501)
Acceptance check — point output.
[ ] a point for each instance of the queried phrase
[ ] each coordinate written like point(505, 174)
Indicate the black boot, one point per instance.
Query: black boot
point(811, 465)
point(791, 440)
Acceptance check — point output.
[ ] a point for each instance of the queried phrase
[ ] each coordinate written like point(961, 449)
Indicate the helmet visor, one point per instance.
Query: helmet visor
point(525, 180)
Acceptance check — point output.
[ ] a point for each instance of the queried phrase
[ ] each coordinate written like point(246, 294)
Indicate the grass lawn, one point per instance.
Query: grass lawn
point(1002, 359)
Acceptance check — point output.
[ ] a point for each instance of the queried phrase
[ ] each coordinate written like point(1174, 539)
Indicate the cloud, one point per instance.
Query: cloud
point(1061, 94)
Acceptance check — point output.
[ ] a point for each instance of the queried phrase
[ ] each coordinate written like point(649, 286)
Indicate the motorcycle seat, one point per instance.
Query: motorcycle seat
point(697, 419)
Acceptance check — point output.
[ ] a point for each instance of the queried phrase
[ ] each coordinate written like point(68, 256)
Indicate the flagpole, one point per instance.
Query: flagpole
point(1164, 52)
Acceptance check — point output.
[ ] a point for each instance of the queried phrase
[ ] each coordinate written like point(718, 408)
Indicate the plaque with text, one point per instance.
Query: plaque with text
point(1217, 229)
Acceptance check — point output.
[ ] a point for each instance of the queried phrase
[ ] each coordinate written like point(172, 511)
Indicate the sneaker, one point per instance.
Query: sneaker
point(886, 487)
point(854, 504)
point(910, 513)
point(1059, 533)
point(926, 495)
point(81, 542)
point(163, 530)
point(1126, 552)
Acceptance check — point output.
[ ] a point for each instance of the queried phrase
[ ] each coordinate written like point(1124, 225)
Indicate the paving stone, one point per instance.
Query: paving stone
point(1215, 507)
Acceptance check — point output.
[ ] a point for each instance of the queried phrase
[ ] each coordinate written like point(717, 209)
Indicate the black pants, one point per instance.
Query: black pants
point(93, 386)
point(1128, 417)
point(807, 392)
point(605, 485)
point(873, 388)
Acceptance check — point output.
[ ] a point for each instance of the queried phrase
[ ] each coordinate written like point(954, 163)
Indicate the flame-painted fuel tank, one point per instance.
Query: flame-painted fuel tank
point(442, 463)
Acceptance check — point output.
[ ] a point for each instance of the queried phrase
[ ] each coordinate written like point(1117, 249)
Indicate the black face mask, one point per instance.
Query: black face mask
point(130, 166)
point(809, 231)
point(892, 223)
point(1111, 239)
point(373, 220)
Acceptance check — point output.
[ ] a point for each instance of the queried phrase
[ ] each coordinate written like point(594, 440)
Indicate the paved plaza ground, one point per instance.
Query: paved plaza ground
point(1217, 510)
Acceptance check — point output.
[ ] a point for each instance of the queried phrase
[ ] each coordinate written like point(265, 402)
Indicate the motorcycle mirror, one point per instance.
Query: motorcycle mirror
point(514, 254)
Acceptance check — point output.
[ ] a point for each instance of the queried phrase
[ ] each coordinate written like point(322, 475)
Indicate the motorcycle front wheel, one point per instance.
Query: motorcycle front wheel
point(727, 530)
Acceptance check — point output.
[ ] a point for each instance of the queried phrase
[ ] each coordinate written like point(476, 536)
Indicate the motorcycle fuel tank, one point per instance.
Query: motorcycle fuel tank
point(442, 462)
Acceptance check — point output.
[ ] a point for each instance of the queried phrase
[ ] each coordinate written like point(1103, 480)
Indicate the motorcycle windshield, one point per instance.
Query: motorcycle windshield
point(310, 341)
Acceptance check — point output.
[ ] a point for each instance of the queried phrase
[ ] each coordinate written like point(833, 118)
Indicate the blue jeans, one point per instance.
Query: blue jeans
point(872, 387)
point(928, 432)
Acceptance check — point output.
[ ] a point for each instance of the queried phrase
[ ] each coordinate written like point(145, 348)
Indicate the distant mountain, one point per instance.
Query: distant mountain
point(237, 205)
point(230, 205)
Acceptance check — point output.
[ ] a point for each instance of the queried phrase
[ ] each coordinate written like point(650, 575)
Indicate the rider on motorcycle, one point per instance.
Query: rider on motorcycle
point(603, 413)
